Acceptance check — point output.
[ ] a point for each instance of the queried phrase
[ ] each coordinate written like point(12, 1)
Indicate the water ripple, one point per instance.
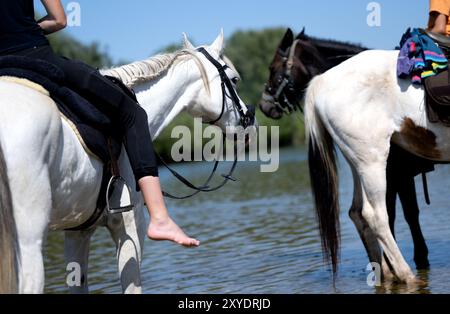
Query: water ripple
point(259, 235)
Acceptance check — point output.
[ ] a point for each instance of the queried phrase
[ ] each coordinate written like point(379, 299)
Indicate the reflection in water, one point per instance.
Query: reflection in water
point(259, 235)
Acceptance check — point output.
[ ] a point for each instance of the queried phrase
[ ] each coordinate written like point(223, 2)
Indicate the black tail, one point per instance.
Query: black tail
point(324, 182)
point(9, 248)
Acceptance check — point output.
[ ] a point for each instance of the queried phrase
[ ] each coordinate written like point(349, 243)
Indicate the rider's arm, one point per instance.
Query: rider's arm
point(438, 23)
point(439, 14)
point(55, 19)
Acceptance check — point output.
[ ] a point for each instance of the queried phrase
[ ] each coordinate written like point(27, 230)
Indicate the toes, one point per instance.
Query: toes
point(189, 243)
point(195, 242)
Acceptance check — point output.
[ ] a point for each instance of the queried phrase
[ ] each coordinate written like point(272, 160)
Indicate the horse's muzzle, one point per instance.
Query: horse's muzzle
point(268, 107)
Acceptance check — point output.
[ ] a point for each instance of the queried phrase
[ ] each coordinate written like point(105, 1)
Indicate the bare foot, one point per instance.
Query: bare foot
point(169, 230)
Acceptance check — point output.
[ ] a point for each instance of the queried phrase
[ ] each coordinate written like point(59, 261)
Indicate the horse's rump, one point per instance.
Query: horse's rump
point(92, 127)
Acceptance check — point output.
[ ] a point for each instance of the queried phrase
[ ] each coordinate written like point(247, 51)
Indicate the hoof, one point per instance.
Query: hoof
point(407, 278)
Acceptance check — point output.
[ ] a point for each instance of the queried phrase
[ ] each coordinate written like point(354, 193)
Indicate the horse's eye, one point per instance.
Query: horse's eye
point(235, 80)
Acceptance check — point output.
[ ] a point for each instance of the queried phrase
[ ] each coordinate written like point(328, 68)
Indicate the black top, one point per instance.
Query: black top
point(18, 28)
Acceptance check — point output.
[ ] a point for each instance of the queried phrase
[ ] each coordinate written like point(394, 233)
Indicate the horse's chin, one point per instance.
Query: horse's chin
point(270, 110)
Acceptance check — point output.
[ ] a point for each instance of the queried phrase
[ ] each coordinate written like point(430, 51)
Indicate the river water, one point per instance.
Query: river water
point(259, 235)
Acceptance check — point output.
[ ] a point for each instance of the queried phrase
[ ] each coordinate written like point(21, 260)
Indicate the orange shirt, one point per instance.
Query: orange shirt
point(442, 7)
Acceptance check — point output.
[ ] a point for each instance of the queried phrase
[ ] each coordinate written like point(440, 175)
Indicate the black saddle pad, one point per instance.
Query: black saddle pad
point(94, 126)
point(438, 98)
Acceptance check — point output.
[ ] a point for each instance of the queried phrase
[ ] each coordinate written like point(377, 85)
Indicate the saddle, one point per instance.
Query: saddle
point(94, 129)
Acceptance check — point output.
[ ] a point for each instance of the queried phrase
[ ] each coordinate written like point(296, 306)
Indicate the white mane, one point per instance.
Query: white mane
point(143, 71)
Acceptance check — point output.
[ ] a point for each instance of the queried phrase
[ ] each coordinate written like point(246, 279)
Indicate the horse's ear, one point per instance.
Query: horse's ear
point(287, 40)
point(219, 44)
point(186, 43)
point(302, 35)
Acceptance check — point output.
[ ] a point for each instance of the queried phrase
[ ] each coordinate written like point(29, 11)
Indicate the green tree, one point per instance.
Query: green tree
point(71, 48)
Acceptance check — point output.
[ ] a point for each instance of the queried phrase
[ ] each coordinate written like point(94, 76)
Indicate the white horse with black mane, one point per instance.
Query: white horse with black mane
point(48, 181)
point(362, 106)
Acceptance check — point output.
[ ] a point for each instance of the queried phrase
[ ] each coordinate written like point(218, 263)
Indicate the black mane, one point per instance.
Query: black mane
point(328, 53)
point(339, 46)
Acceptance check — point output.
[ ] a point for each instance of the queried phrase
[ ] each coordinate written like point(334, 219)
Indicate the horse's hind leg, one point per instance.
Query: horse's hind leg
point(367, 236)
point(32, 205)
point(31, 274)
point(373, 178)
point(76, 253)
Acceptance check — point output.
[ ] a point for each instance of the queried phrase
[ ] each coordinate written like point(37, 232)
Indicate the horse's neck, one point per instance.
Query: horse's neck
point(334, 53)
point(164, 98)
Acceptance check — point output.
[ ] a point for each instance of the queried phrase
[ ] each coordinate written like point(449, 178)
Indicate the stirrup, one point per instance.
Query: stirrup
point(118, 196)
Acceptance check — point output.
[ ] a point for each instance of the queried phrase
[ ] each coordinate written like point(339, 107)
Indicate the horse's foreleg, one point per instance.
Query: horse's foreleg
point(407, 193)
point(391, 192)
point(128, 232)
point(400, 181)
point(76, 253)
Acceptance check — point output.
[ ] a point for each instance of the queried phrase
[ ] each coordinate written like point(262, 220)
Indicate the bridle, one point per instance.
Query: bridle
point(246, 119)
point(286, 85)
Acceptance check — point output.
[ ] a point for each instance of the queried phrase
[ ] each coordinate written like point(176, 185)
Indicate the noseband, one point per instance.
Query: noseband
point(287, 84)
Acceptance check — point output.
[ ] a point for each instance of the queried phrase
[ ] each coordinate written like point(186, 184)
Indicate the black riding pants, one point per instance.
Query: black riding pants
point(123, 110)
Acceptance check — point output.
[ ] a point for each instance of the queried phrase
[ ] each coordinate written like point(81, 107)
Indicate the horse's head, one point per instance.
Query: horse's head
point(290, 72)
point(217, 101)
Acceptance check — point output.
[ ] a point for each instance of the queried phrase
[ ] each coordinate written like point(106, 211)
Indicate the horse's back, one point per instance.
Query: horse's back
point(362, 95)
point(367, 65)
point(360, 79)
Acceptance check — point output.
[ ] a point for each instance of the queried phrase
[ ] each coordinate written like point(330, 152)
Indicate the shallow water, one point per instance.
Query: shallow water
point(259, 235)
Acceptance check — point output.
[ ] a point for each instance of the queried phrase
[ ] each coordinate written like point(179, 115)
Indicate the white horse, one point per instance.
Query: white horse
point(362, 106)
point(48, 181)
